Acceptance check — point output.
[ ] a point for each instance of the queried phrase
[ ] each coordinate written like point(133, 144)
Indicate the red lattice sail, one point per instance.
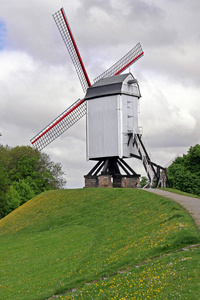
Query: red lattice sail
point(131, 57)
point(78, 109)
point(63, 122)
point(67, 36)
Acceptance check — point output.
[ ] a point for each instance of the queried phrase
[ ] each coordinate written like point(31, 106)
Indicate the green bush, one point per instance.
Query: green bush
point(184, 173)
point(24, 190)
point(24, 173)
point(13, 200)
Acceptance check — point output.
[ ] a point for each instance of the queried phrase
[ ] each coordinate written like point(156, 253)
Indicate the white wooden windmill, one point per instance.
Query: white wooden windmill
point(111, 108)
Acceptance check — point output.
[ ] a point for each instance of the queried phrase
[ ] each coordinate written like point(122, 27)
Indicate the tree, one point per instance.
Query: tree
point(143, 181)
point(184, 173)
point(52, 172)
point(192, 160)
point(9, 156)
point(13, 200)
point(24, 173)
point(22, 162)
point(4, 187)
point(24, 190)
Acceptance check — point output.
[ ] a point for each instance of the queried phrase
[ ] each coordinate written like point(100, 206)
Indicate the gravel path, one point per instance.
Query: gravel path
point(192, 205)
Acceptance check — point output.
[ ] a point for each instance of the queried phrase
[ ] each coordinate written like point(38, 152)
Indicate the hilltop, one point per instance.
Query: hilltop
point(63, 239)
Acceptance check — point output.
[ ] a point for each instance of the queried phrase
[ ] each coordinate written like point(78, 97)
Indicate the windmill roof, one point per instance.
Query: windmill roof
point(106, 86)
point(111, 80)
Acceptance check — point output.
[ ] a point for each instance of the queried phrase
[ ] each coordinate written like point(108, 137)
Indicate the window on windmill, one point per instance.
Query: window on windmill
point(132, 81)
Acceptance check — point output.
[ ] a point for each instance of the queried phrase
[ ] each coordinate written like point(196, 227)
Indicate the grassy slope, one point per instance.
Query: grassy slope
point(62, 239)
point(180, 192)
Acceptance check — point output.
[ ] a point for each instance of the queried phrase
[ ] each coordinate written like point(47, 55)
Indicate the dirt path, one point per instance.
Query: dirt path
point(192, 205)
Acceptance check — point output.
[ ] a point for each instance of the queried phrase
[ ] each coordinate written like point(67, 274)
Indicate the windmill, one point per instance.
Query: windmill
point(111, 108)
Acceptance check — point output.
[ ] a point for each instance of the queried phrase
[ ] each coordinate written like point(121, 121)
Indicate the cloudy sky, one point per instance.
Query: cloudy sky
point(38, 81)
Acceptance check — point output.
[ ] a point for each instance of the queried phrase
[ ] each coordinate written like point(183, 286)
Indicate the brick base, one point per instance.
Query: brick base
point(132, 182)
point(119, 182)
point(91, 182)
point(105, 181)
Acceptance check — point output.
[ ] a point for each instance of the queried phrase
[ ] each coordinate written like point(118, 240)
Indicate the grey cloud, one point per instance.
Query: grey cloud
point(38, 81)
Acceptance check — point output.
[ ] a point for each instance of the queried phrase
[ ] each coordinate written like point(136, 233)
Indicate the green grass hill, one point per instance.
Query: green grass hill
point(99, 244)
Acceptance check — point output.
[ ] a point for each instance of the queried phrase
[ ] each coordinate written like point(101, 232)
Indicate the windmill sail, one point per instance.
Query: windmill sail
point(64, 121)
point(131, 57)
point(67, 36)
point(77, 110)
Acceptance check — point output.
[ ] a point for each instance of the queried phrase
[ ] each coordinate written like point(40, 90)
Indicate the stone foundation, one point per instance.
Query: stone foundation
point(119, 182)
point(91, 181)
point(105, 181)
point(132, 182)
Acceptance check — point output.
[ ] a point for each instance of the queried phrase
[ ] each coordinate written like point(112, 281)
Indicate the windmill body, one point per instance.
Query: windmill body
point(111, 108)
point(112, 117)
